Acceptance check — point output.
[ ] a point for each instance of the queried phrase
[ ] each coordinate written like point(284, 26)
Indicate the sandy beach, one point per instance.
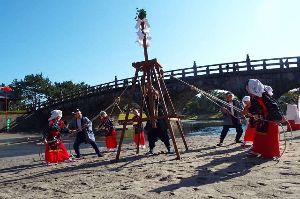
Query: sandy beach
point(203, 172)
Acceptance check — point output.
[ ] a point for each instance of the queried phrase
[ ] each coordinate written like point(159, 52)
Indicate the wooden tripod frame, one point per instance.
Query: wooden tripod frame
point(152, 72)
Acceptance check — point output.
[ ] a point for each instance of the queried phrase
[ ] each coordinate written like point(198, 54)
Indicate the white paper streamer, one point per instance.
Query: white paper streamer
point(138, 24)
point(140, 33)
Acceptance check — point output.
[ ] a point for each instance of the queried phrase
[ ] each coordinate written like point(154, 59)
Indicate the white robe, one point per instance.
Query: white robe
point(292, 113)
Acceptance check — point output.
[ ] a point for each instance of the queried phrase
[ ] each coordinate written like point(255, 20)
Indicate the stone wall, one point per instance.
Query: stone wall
point(15, 118)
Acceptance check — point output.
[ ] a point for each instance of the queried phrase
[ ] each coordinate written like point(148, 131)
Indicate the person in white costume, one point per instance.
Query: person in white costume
point(293, 115)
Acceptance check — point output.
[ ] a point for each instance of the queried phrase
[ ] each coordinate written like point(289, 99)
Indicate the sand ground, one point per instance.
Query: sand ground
point(204, 171)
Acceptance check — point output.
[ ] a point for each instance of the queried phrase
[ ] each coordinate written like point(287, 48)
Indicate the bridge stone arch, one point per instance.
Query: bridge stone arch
point(182, 93)
point(291, 82)
point(282, 74)
point(280, 80)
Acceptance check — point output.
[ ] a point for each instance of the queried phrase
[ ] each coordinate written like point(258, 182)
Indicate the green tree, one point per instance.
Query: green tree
point(66, 88)
point(200, 104)
point(34, 89)
point(290, 95)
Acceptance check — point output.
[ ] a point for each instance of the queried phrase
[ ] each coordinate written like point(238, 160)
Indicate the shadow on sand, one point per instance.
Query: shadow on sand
point(233, 166)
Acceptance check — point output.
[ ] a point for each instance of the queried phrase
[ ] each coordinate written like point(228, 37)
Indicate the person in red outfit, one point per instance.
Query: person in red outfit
point(139, 137)
point(250, 131)
point(265, 113)
point(55, 150)
point(110, 131)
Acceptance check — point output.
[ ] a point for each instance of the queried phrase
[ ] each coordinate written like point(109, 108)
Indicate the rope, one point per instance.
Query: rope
point(291, 132)
point(143, 95)
point(115, 103)
point(119, 108)
point(208, 95)
point(285, 140)
point(212, 98)
point(113, 108)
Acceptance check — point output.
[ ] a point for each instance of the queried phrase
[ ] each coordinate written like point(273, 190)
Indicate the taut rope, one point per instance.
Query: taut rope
point(213, 99)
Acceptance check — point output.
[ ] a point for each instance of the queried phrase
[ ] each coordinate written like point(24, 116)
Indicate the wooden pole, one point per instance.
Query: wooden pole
point(142, 83)
point(151, 100)
point(127, 114)
point(149, 78)
point(165, 109)
point(6, 116)
point(150, 73)
point(162, 82)
point(144, 41)
point(179, 125)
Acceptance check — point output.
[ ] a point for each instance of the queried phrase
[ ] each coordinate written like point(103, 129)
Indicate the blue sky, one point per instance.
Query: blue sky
point(94, 40)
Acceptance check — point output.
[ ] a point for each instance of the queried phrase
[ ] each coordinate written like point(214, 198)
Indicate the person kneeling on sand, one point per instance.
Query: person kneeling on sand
point(84, 133)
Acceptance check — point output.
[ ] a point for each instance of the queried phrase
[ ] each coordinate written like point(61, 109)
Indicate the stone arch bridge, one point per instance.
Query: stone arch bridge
point(282, 74)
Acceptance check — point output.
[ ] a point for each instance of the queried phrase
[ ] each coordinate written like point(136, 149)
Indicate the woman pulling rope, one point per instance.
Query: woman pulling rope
point(265, 114)
point(55, 150)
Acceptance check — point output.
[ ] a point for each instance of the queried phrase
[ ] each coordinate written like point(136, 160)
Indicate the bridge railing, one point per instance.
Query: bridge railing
point(90, 90)
point(230, 67)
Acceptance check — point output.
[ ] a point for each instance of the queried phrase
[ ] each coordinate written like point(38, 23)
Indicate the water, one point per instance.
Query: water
point(204, 128)
point(190, 128)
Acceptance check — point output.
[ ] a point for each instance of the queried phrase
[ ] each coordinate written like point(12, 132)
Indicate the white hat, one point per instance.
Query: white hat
point(55, 114)
point(255, 87)
point(246, 99)
point(269, 90)
point(103, 114)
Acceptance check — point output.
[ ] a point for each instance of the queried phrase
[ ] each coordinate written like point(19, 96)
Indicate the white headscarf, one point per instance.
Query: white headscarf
point(269, 90)
point(103, 114)
point(255, 87)
point(246, 99)
point(55, 114)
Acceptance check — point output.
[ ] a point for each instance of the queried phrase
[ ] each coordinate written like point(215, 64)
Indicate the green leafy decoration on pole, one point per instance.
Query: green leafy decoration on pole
point(140, 14)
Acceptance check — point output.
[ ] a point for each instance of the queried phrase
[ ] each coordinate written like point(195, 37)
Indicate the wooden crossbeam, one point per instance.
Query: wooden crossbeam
point(169, 117)
point(144, 65)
